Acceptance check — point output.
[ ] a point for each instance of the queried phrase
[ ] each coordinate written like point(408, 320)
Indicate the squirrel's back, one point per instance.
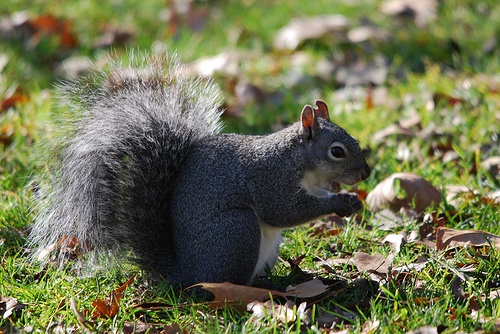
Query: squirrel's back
point(131, 128)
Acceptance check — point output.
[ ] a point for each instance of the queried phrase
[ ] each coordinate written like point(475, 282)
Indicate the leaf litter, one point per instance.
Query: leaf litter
point(438, 240)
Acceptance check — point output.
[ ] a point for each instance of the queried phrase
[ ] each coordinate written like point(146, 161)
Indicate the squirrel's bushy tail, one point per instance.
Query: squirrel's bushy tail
point(130, 129)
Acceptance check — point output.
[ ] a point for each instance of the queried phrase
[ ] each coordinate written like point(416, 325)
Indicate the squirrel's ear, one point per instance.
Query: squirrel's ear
point(309, 121)
point(322, 110)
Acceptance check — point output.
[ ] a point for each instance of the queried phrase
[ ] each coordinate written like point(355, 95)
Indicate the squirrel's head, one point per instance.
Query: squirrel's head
point(335, 155)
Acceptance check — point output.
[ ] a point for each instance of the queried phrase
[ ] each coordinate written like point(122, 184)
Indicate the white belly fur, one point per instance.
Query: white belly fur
point(270, 239)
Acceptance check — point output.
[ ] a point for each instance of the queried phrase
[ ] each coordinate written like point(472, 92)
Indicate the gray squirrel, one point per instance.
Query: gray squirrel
point(143, 170)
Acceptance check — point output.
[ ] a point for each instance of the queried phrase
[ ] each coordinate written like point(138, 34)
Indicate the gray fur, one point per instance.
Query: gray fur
point(146, 171)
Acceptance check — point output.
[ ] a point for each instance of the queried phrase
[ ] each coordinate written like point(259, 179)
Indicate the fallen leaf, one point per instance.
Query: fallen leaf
point(237, 296)
point(13, 101)
point(247, 93)
point(494, 294)
point(395, 240)
point(421, 12)
point(154, 306)
point(361, 73)
point(226, 63)
point(6, 134)
point(425, 300)
point(388, 220)
point(328, 228)
point(308, 289)
point(108, 307)
point(112, 36)
point(296, 271)
point(424, 330)
point(291, 36)
point(66, 246)
point(9, 305)
point(139, 327)
point(447, 238)
point(49, 24)
point(411, 267)
point(366, 32)
point(456, 195)
point(440, 99)
point(353, 96)
point(492, 167)
point(191, 14)
point(495, 197)
point(377, 262)
point(33, 29)
point(80, 316)
point(398, 130)
point(427, 230)
point(73, 67)
point(457, 288)
point(403, 190)
point(370, 326)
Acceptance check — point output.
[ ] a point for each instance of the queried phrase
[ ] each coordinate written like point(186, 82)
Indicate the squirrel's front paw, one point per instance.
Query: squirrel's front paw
point(348, 204)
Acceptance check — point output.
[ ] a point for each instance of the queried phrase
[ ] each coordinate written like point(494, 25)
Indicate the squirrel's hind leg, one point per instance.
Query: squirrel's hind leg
point(222, 250)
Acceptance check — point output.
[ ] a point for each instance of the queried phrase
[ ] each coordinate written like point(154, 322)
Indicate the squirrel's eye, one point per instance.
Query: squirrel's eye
point(337, 151)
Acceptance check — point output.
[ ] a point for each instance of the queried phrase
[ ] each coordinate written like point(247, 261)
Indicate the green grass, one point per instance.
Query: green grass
point(423, 62)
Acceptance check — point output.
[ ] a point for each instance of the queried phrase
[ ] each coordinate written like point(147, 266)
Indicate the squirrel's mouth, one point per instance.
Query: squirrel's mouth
point(327, 190)
point(317, 185)
point(334, 187)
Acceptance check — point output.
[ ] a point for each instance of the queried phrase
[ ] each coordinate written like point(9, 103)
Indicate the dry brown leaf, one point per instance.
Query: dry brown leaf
point(307, 289)
point(139, 327)
point(154, 306)
point(239, 296)
point(67, 245)
point(492, 167)
point(494, 197)
point(247, 93)
point(447, 238)
point(361, 73)
point(494, 294)
point(14, 100)
point(445, 99)
point(424, 330)
point(226, 64)
point(8, 305)
point(326, 229)
point(403, 190)
point(422, 11)
point(6, 134)
point(108, 307)
point(291, 36)
point(34, 29)
point(296, 271)
point(370, 326)
point(235, 295)
point(48, 24)
point(80, 316)
point(112, 36)
point(377, 262)
point(365, 32)
point(457, 288)
point(387, 220)
point(410, 268)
